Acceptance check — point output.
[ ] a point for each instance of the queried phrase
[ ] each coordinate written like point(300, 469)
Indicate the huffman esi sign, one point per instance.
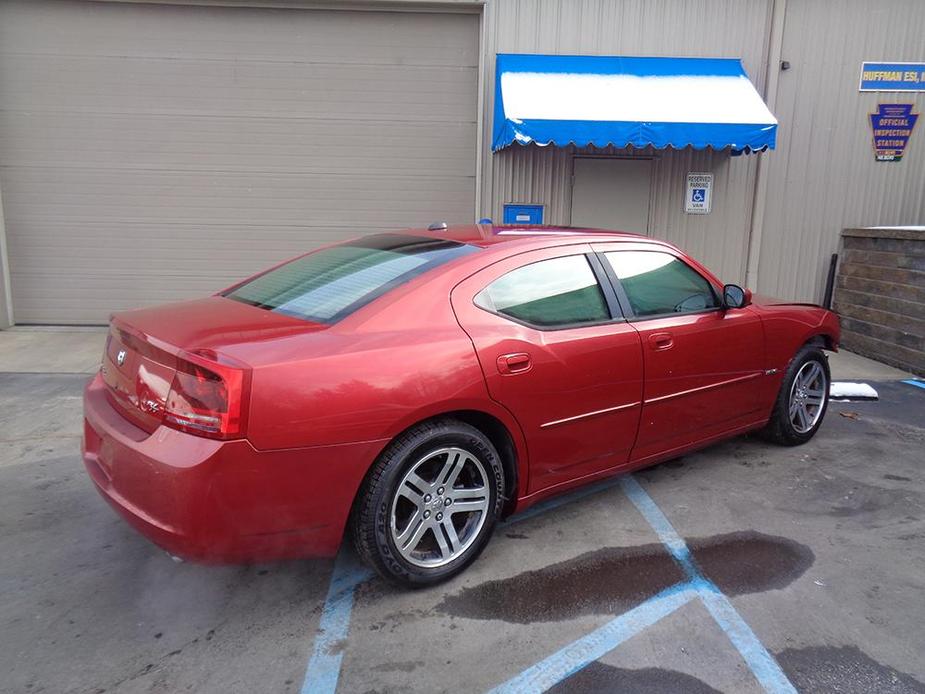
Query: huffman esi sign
point(892, 125)
point(892, 77)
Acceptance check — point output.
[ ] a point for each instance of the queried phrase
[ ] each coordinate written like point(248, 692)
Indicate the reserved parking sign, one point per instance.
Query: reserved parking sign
point(699, 197)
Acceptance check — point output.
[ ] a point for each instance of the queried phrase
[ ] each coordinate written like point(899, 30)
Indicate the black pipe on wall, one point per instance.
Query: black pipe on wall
point(830, 282)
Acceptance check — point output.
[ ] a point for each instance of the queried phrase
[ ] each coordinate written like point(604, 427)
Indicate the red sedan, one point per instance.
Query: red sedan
point(416, 387)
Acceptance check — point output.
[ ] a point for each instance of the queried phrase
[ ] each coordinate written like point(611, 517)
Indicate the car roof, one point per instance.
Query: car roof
point(485, 235)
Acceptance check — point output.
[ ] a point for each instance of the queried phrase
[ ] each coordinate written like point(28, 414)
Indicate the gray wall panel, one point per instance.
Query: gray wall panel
point(824, 178)
point(222, 138)
point(152, 152)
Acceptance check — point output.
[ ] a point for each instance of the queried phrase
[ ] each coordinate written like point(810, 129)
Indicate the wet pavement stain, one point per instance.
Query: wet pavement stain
point(846, 670)
point(750, 562)
point(606, 679)
point(613, 579)
point(608, 580)
point(403, 666)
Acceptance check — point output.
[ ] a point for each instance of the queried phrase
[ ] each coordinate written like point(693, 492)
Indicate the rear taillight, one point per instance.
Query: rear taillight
point(206, 398)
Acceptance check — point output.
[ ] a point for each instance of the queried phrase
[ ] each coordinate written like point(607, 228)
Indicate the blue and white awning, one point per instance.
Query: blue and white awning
point(611, 100)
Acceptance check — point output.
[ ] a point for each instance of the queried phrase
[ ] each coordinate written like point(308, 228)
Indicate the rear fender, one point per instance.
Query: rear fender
point(460, 407)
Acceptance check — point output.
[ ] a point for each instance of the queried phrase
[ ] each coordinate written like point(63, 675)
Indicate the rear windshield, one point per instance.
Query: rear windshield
point(332, 283)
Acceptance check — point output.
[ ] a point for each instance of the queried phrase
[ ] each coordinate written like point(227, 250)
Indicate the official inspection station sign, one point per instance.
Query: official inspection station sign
point(892, 125)
point(699, 197)
point(892, 77)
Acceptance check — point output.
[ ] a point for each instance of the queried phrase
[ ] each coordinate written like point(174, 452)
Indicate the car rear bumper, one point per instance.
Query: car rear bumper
point(221, 501)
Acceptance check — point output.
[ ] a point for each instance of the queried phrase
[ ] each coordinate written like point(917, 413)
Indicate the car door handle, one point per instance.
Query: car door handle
point(660, 341)
point(516, 363)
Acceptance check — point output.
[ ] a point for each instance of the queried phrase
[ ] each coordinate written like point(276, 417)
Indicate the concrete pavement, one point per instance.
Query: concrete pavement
point(819, 548)
point(51, 349)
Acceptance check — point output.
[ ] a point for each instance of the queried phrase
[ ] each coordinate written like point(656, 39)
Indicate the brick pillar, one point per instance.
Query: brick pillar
point(880, 295)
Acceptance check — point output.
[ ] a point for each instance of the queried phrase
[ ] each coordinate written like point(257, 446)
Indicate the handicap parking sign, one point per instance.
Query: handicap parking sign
point(699, 193)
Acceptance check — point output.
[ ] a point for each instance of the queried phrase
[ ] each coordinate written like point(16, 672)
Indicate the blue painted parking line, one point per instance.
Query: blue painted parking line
point(915, 382)
point(556, 502)
point(576, 655)
point(762, 664)
point(573, 657)
point(759, 660)
point(660, 524)
point(323, 669)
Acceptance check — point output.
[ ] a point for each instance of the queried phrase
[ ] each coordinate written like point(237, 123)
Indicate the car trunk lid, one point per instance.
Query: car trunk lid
point(146, 347)
point(138, 374)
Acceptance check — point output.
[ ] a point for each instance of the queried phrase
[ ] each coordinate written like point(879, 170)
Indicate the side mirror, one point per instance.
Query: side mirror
point(736, 297)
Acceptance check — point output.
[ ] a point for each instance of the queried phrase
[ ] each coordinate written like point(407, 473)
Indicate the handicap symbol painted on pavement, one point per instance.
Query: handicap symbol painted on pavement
point(700, 195)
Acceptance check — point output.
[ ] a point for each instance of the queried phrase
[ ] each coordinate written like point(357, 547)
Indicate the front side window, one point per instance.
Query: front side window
point(657, 283)
point(329, 284)
point(548, 293)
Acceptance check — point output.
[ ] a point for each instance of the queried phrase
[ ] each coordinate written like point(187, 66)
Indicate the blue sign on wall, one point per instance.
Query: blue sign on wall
point(523, 214)
point(892, 124)
point(892, 77)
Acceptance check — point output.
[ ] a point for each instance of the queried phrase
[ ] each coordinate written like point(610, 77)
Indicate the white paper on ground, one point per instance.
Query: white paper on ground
point(845, 390)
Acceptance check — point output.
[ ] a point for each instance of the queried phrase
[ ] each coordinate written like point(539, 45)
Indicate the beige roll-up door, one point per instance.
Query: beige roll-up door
point(152, 152)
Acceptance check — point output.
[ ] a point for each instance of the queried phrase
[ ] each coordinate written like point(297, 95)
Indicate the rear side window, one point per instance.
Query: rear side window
point(332, 283)
point(656, 283)
point(555, 292)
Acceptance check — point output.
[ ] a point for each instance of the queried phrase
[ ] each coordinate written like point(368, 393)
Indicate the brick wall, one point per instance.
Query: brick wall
point(880, 295)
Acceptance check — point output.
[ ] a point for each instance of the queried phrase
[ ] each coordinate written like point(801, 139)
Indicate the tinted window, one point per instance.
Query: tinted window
point(560, 291)
point(660, 283)
point(331, 283)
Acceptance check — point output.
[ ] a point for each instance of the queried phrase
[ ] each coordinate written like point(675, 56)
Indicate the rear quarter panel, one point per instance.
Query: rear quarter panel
point(362, 387)
point(400, 360)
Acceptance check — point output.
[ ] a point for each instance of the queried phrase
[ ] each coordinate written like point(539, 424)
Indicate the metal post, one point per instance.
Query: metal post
point(6, 296)
point(830, 282)
point(775, 47)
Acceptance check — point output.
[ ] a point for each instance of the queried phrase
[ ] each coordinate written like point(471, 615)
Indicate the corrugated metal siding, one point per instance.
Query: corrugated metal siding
point(155, 152)
point(706, 28)
point(543, 175)
point(824, 177)
point(193, 152)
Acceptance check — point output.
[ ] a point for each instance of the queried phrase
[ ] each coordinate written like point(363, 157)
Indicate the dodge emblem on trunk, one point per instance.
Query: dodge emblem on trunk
point(120, 357)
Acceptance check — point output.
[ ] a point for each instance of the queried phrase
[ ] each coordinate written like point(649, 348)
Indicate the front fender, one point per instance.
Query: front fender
point(789, 327)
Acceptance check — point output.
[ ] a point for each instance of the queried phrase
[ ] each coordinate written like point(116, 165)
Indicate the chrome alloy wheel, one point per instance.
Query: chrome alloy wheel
point(807, 396)
point(439, 507)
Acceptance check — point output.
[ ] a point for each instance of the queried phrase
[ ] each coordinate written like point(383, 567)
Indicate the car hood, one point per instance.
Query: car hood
point(764, 300)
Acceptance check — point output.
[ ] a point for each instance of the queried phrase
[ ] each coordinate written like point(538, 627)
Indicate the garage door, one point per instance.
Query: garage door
point(156, 152)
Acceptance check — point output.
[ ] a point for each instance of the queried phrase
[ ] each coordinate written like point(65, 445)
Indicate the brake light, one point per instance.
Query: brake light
point(206, 398)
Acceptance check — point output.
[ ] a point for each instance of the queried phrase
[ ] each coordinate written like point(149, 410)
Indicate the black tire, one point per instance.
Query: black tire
point(781, 429)
point(379, 498)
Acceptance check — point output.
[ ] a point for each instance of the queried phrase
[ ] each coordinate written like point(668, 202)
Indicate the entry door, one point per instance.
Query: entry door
point(611, 194)
point(555, 358)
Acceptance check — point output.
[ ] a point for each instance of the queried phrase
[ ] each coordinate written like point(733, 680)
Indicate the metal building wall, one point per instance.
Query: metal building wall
point(706, 28)
point(153, 153)
point(823, 176)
